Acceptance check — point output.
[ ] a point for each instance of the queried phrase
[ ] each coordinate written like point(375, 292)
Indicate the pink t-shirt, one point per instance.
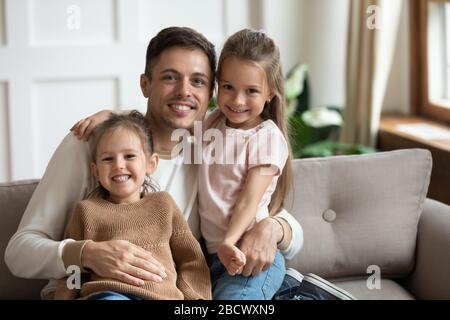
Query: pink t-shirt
point(227, 155)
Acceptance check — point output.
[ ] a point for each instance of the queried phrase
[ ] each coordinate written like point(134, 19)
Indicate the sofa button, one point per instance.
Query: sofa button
point(329, 215)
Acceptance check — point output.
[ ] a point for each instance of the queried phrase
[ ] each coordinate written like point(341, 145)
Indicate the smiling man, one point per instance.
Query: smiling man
point(178, 83)
point(178, 88)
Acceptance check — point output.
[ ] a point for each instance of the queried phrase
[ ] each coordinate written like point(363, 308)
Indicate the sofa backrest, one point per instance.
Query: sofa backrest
point(14, 198)
point(359, 211)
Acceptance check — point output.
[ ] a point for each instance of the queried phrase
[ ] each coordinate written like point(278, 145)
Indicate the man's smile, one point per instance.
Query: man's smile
point(182, 108)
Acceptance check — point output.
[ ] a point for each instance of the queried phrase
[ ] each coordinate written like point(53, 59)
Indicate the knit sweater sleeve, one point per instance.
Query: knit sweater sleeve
point(74, 230)
point(192, 271)
point(75, 227)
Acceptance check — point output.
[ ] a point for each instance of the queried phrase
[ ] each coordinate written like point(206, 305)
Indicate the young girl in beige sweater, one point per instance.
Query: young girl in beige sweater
point(126, 206)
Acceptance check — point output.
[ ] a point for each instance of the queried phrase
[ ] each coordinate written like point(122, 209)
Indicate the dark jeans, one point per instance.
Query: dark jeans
point(291, 289)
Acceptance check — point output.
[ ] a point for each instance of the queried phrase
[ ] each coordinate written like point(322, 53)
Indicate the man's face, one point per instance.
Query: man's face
point(179, 88)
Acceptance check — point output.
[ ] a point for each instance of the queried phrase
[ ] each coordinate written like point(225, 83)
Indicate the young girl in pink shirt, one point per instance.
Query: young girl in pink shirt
point(245, 169)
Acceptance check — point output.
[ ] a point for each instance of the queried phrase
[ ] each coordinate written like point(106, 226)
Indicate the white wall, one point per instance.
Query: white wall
point(283, 20)
point(324, 46)
point(313, 32)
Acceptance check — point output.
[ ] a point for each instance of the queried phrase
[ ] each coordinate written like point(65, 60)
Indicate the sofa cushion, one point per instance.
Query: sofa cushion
point(388, 290)
point(360, 210)
point(14, 198)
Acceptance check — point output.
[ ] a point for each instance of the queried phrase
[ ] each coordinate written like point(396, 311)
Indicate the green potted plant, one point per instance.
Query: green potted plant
point(314, 132)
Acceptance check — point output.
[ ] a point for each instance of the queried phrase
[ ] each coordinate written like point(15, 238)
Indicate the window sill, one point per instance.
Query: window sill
point(393, 134)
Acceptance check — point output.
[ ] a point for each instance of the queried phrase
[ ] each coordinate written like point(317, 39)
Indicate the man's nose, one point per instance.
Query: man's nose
point(184, 88)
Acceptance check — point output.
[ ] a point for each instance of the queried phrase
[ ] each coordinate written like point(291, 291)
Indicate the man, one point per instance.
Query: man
point(178, 83)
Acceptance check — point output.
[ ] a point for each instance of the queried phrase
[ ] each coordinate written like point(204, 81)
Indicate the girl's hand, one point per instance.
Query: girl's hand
point(232, 258)
point(123, 261)
point(84, 128)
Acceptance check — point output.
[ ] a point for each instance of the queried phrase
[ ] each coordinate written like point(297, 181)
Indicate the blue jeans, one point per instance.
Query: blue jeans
point(260, 287)
point(112, 295)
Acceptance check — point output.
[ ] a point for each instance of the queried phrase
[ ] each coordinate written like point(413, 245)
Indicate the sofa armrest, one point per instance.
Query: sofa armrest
point(431, 277)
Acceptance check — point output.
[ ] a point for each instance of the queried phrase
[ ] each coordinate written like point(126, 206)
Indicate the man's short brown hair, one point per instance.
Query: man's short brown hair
point(180, 37)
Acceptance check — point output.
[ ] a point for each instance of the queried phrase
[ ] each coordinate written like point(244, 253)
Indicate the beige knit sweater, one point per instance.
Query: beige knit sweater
point(154, 223)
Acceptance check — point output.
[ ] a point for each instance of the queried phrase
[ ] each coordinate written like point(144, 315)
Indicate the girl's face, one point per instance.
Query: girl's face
point(121, 165)
point(242, 93)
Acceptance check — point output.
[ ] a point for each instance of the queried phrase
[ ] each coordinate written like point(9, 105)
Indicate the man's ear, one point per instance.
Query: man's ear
point(94, 170)
point(152, 163)
point(145, 85)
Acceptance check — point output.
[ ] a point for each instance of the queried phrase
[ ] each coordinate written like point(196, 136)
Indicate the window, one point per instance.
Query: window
point(447, 50)
point(430, 35)
point(438, 52)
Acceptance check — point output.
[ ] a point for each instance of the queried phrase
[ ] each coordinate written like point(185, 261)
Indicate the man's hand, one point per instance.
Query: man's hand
point(123, 261)
point(259, 245)
point(84, 128)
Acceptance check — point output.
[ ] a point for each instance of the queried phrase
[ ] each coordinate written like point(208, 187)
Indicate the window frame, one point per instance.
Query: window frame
point(421, 104)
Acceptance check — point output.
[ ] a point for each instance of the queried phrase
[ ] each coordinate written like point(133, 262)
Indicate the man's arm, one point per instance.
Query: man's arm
point(260, 243)
point(292, 242)
point(35, 250)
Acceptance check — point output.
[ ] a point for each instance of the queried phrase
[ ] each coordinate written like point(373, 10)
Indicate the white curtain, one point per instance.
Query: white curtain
point(372, 35)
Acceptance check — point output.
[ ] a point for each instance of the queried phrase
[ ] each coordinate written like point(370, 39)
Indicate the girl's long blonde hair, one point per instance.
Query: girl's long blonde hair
point(260, 49)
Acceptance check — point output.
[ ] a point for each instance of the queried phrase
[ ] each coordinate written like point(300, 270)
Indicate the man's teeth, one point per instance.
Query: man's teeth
point(181, 107)
point(121, 178)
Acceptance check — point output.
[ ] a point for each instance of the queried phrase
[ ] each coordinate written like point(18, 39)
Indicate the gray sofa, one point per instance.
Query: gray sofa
point(368, 226)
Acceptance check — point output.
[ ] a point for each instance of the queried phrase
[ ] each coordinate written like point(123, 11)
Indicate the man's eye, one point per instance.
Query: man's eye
point(169, 77)
point(198, 82)
point(107, 159)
